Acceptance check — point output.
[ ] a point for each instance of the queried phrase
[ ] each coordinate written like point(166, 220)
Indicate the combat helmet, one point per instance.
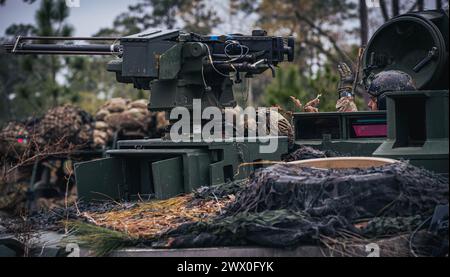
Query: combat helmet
point(390, 80)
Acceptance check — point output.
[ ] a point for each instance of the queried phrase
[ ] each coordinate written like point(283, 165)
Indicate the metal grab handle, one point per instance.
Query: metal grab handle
point(431, 54)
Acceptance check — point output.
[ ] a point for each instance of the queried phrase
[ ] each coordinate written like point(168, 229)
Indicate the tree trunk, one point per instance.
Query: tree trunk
point(384, 11)
point(364, 31)
point(5, 111)
point(395, 7)
point(53, 80)
point(420, 5)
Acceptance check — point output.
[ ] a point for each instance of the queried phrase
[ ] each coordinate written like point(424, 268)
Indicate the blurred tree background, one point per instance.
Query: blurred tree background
point(327, 32)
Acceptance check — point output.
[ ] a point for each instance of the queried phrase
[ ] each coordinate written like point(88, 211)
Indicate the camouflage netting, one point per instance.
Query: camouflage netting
point(56, 130)
point(60, 132)
point(382, 226)
point(13, 140)
point(397, 189)
point(220, 191)
point(70, 125)
point(306, 153)
point(13, 197)
point(287, 205)
point(66, 124)
point(281, 206)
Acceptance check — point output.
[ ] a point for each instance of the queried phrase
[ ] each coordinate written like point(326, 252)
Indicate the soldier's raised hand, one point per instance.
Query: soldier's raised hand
point(346, 80)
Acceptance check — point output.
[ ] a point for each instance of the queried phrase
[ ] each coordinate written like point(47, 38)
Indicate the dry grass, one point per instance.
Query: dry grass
point(151, 219)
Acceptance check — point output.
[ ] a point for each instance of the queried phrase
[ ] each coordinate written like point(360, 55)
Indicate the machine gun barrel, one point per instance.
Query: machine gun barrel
point(20, 46)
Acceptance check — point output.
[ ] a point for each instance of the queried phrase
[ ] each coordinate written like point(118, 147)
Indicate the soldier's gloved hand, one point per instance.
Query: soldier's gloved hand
point(346, 80)
point(346, 104)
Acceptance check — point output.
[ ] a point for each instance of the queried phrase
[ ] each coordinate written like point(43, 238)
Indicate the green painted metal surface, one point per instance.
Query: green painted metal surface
point(170, 63)
point(418, 129)
point(168, 174)
point(336, 131)
point(415, 43)
point(163, 169)
point(101, 179)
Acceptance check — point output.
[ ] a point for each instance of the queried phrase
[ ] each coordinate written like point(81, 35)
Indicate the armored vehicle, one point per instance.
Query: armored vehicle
point(181, 68)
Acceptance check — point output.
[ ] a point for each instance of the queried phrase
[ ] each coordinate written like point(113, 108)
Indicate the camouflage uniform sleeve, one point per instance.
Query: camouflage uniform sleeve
point(346, 104)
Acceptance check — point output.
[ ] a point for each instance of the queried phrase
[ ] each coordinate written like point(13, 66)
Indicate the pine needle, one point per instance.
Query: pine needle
point(101, 241)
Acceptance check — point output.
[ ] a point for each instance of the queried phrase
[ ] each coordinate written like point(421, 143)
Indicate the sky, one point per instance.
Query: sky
point(91, 16)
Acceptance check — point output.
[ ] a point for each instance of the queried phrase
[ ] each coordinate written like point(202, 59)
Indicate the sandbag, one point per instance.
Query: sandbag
point(116, 105)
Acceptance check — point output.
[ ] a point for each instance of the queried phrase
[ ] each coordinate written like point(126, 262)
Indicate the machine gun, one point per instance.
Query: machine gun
point(177, 67)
